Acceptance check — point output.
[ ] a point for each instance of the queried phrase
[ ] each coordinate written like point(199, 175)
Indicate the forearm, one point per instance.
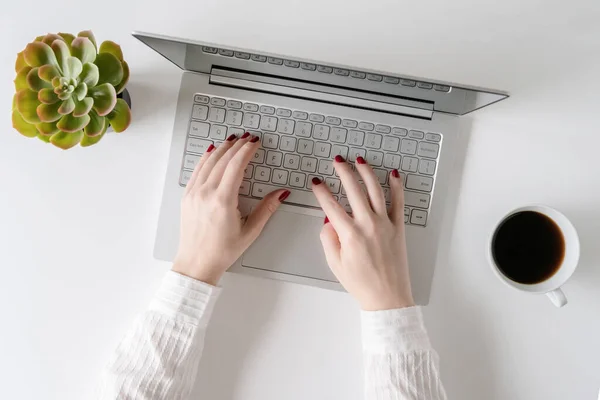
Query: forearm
point(159, 356)
point(399, 360)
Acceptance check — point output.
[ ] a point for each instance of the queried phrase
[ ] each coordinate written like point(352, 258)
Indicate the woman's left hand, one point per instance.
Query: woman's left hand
point(213, 233)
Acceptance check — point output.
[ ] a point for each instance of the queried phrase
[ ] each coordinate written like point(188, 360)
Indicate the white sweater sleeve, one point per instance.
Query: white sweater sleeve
point(159, 356)
point(400, 363)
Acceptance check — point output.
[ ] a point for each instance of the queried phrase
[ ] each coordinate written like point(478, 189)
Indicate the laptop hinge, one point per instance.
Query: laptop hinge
point(322, 93)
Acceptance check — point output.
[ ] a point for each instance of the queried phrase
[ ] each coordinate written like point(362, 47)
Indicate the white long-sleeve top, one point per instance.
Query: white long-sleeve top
point(159, 356)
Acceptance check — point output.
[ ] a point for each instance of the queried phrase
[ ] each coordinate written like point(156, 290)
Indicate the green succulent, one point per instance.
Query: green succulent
point(67, 87)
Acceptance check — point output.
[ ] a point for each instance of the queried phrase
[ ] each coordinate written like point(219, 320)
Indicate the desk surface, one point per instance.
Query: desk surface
point(77, 227)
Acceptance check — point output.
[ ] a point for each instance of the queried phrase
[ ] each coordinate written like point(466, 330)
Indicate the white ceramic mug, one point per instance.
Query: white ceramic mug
point(551, 286)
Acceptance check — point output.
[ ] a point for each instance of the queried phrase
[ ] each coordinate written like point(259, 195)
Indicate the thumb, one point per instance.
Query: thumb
point(331, 246)
point(260, 215)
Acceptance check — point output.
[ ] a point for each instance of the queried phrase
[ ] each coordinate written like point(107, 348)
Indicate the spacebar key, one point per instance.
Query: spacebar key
point(296, 196)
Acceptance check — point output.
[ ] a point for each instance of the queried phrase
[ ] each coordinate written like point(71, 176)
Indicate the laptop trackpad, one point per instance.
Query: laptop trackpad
point(290, 244)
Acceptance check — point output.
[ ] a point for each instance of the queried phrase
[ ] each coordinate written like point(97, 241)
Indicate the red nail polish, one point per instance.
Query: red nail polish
point(395, 173)
point(210, 148)
point(339, 158)
point(316, 181)
point(245, 135)
point(360, 160)
point(230, 138)
point(254, 139)
point(326, 221)
point(284, 195)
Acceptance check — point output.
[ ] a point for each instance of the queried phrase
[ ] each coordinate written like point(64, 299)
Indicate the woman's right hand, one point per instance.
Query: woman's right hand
point(367, 250)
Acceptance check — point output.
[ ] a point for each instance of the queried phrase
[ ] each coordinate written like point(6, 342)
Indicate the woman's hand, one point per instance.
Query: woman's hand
point(213, 233)
point(367, 250)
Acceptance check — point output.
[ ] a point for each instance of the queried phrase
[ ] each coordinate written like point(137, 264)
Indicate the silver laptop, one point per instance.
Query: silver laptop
point(307, 112)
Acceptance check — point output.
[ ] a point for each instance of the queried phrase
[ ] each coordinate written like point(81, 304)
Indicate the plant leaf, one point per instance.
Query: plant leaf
point(120, 116)
point(22, 126)
point(68, 39)
point(83, 49)
point(21, 79)
point(49, 112)
point(97, 124)
point(110, 68)
point(89, 75)
point(27, 102)
point(73, 68)
point(62, 53)
point(38, 54)
point(47, 128)
point(14, 102)
point(47, 96)
point(90, 141)
point(105, 98)
point(50, 38)
point(39, 38)
point(71, 124)
point(34, 82)
point(88, 34)
point(44, 138)
point(48, 72)
point(66, 140)
point(121, 86)
point(67, 107)
point(80, 91)
point(111, 47)
point(83, 107)
point(20, 63)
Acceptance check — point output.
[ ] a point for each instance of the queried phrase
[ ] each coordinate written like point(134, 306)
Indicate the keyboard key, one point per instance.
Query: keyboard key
point(287, 143)
point(256, 133)
point(270, 141)
point(300, 115)
point(346, 204)
point(235, 131)
point(387, 194)
point(258, 157)
point(356, 138)
point(358, 74)
point(250, 107)
point(267, 110)
point(373, 141)
point(217, 101)
point(321, 132)
point(226, 53)
point(399, 131)
point(262, 174)
point(234, 104)
point(274, 158)
point(433, 137)
point(200, 112)
point(197, 145)
point(243, 56)
point(427, 167)
point(414, 199)
point(303, 129)
point(441, 88)
point(291, 161)
point(408, 146)
point(309, 184)
point(409, 164)
point(190, 161)
point(325, 167)
point(316, 118)
point(280, 176)
point(407, 82)
point(429, 150)
point(418, 217)
point(416, 134)
point(244, 188)
point(199, 129)
point(308, 67)
point(309, 164)
point(252, 121)
point(375, 158)
point(291, 63)
point(374, 77)
point(391, 80)
point(366, 126)
point(391, 143)
point(418, 182)
point(341, 72)
point(322, 149)
point(382, 129)
point(201, 99)
point(333, 120)
point(348, 123)
point(258, 58)
point(339, 150)
point(275, 61)
point(406, 214)
point(234, 117)
point(338, 135)
point(268, 124)
point(324, 69)
point(218, 132)
point(296, 196)
point(381, 174)
point(248, 171)
point(185, 177)
point(355, 153)
point(424, 85)
point(305, 146)
point(333, 185)
point(283, 112)
point(216, 115)
point(297, 179)
point(391, 161)
point(286, 126)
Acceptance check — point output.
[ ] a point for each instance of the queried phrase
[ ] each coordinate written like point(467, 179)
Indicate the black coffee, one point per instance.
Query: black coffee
point(528, 247)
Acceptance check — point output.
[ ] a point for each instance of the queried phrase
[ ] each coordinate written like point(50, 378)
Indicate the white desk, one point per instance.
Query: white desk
point(77, 227)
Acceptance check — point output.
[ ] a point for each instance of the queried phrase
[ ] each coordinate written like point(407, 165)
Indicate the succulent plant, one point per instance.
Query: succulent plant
point(67, 87)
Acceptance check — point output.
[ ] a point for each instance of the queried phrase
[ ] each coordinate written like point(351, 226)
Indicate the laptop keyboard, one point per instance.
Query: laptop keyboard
point(297, 146)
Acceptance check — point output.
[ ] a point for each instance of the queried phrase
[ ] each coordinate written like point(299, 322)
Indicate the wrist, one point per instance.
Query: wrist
point(206, 274)
point(387, 303)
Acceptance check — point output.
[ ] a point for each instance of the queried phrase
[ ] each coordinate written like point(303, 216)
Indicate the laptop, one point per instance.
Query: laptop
point(307, 112)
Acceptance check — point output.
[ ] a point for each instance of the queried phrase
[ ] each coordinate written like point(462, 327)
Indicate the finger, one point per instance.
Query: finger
point(331, 246)
point(212, 160)
point(340, 219)
point(219, 169)
point(356, 196)
point(376, 197)
point(397, 189)
point(261, 213)
point(233, 175)
point(201, 162)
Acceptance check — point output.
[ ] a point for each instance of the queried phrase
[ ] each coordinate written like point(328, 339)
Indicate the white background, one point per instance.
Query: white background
point(77, 227)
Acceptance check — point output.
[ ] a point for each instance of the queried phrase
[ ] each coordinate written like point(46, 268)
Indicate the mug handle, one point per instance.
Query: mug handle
point(557, 297)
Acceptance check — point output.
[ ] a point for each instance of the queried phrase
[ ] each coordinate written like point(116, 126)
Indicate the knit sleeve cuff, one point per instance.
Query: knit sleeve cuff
point(394, 331)
point(185, 299)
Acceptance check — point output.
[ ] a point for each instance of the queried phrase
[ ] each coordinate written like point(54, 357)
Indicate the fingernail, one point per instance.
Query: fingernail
point(210, 148)
point(360, 160)
point(254, 139)
point(395, 173)
point(245, 135)
point(339, 158)
point(284, 195)
point(316, 181)
point(326, 220)
point(230, 138)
